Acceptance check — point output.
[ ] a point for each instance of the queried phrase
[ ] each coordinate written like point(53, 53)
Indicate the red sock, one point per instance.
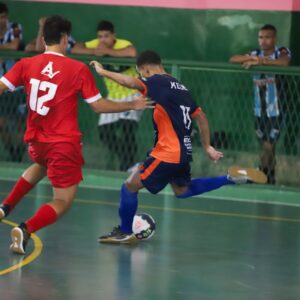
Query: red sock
point(44, 216)
point(21, 188)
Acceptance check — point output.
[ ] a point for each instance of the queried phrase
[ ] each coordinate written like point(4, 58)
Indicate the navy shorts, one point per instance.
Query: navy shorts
point(268, 129)
point(156, 174)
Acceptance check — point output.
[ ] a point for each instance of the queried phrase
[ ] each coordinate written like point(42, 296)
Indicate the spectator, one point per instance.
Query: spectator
point(37, 44)
point(12, 114)
point(117, 131)
point(268, 95)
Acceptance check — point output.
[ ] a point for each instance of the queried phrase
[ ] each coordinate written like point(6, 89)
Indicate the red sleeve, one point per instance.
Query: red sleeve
point(14, 77)
point(89, 91)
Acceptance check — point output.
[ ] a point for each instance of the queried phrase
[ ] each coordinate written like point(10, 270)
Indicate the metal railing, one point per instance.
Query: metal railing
point(223, 90)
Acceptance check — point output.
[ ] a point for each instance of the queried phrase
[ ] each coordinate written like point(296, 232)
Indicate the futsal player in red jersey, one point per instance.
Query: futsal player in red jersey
point(53, 82)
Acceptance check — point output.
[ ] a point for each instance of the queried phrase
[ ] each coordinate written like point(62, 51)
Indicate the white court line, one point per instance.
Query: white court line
point(144, 191)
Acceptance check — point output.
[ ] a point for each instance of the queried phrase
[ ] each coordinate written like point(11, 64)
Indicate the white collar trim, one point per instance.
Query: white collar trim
point(54, 53)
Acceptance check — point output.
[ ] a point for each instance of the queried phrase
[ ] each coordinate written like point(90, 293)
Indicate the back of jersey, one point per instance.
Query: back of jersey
point(172, 118)
point(53, 82)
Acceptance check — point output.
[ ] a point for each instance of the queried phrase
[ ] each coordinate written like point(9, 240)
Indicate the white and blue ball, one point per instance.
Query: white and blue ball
point(143, 226)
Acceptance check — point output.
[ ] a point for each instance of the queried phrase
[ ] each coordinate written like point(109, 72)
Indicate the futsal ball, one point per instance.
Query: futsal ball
point(143, 226)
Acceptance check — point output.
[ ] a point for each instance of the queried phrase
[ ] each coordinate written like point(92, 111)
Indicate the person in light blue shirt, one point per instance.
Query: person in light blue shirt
point(269, 95)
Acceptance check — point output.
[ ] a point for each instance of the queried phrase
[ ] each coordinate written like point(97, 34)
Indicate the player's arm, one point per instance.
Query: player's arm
point(100, 105)
point(122, 79)
point(203, 126)
point(108, 106)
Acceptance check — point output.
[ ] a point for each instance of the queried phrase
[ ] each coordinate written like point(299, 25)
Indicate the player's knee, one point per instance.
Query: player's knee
point(132, 186)
point(179, 196)
point(62, 205)
point(179, 191)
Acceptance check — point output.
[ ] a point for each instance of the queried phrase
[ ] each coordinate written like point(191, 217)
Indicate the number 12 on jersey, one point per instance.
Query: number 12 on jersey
point(37, 103)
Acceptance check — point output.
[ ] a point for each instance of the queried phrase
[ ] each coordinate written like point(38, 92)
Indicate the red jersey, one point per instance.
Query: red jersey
point(52, 82)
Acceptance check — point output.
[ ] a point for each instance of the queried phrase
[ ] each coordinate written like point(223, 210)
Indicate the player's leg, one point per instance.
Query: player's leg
point(64, 162)
point(25, 183)
point(50, 212)
point(199, 186)
point(185, 187)
point(129, 200)
point(46, 215)
point(127, 209)
point(154, 176)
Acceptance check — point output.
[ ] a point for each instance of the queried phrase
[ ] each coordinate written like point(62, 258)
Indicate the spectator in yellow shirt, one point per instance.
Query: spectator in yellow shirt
point(116, 130)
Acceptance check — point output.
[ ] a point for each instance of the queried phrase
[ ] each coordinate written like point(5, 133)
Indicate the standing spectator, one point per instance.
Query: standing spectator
point(38, 45)
point(117, 131)
point(269, 95)
point(11, 104)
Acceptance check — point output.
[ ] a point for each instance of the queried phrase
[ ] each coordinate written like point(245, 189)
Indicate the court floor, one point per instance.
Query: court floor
point(237, 243)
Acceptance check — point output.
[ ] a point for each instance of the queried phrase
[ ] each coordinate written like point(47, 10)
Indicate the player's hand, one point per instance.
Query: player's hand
point(213, 154)
point(98, 67)
point(141, 102)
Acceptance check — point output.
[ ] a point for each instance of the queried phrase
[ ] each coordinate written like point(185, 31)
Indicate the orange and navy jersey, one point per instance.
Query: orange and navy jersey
point(172, 118)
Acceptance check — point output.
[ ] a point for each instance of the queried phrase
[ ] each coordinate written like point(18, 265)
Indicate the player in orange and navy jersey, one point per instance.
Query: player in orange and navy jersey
point(169, 160)
point(52, 82)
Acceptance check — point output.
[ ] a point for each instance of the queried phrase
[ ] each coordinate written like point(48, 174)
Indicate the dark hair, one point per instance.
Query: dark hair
point(54, 28)
point(269, 27)
point(106, 25)
point(3, 8)
point(148, 57)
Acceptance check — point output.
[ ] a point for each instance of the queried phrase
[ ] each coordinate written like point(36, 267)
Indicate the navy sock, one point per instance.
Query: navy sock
point(202, 185)
point(128, 208)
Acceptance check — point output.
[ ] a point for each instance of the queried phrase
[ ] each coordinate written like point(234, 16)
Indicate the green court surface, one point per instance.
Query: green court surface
point(236, 243)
